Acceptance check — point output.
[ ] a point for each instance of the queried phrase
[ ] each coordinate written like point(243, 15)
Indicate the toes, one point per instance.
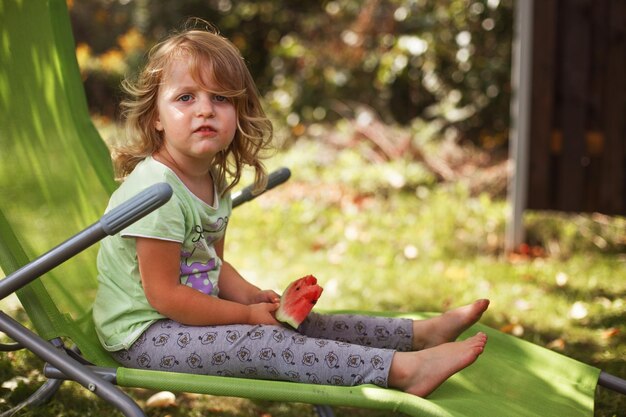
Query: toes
point(481, 305)
point(479, 338)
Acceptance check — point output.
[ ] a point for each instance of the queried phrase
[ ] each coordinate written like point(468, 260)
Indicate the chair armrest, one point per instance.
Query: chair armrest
point(276, 178)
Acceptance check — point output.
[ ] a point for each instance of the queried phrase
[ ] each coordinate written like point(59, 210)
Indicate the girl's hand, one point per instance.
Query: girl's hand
point(266, 296)
point(262, 313)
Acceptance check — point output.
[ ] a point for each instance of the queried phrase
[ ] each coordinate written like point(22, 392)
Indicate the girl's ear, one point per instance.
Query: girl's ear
point(158, 126)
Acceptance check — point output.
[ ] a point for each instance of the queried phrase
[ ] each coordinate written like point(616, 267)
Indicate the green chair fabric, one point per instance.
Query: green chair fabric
point(55, 178)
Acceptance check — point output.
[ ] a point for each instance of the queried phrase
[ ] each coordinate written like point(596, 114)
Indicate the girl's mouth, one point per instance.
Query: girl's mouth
point(206, 130)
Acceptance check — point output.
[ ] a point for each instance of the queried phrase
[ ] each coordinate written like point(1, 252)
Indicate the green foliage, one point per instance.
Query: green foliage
point(315, 60)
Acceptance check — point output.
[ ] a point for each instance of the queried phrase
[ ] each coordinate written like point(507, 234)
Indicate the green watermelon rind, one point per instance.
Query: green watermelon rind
point(283, 317)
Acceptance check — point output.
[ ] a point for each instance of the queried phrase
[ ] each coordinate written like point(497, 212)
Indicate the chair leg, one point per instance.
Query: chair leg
point(10, 347)
point(39, 397)
point(324, 410)
point(75, 370)
point(612, 382)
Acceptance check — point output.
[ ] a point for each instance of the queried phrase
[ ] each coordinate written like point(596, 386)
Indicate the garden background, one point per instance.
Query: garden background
point(394, 119)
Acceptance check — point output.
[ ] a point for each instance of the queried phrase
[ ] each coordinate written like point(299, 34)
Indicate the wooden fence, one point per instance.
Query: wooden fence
point(577, 151)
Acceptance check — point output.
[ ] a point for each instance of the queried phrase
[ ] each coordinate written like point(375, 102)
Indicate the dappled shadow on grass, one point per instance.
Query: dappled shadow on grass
point(21, 377)
point(580, 293)
point(609, 403)
point(607, 321)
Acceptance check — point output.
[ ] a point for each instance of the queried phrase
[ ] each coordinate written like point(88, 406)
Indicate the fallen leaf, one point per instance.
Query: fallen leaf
point(610, 333)
point(507, 328)
point(557, 344)
point(161, 400)
point(526, 252)
point(516, 258)
point(13, 383)
point(524, 249)
point(318, 245)
point(537, 252)
point(513, 328)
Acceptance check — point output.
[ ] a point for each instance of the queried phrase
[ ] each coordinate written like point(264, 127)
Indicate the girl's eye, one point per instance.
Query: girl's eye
point(220, 99)
point(185, 97)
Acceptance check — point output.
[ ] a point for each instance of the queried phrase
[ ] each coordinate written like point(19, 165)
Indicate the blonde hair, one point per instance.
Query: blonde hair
point(207, 52)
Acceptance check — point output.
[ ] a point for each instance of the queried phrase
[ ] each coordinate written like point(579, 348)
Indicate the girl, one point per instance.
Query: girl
point(168, 299)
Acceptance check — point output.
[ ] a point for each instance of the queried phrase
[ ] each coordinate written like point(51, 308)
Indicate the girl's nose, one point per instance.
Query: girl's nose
point(205, 107)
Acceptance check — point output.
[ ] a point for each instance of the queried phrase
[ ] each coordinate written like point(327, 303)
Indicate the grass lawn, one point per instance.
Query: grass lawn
point(389, 237)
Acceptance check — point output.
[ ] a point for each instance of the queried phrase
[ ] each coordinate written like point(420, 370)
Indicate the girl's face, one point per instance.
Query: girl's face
point(195, 123)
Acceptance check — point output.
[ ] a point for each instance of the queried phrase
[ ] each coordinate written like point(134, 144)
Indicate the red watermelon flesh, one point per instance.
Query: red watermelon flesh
point(298, 300)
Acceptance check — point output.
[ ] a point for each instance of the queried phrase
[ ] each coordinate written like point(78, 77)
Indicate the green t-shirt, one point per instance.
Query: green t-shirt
point(121, 311)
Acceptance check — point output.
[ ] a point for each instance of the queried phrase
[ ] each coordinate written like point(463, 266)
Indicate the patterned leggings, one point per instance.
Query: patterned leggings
point(338, 349)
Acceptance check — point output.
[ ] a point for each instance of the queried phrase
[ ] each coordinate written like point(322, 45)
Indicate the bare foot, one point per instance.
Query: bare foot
point(448, 326)
point(420, 373)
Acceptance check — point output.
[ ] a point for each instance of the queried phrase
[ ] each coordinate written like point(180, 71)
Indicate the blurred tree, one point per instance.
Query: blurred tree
point(446, 60)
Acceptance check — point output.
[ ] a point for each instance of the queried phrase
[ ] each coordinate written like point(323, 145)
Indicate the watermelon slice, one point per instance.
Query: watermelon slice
point(298, 300)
